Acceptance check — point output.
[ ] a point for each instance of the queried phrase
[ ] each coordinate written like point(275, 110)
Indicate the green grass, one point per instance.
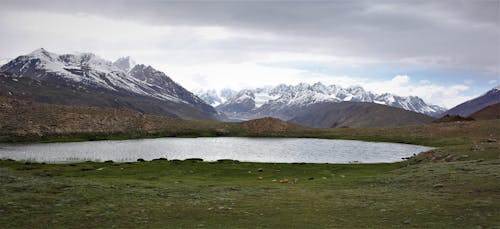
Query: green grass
point(230, 194)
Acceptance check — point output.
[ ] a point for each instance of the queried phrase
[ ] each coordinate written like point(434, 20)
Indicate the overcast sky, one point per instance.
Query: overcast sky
point(443, 51)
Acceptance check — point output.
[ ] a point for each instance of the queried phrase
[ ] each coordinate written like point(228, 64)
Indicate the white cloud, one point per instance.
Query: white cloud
point(227, 75)
point(468, 81)
point(425, 82)
point(447, 96)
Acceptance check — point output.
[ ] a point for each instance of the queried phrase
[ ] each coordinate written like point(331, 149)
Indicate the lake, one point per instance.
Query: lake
point(286, 150)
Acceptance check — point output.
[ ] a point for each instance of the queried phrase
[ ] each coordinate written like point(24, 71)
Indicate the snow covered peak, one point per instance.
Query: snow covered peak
point(356, 90)
point(304, 94)
point(42, 54)
point(89, 70)
point(244, 95)
point(38, 52)
point(125, 63)
point(227, 93)
point(319, 87)
point(210, 96)
point(4, 61)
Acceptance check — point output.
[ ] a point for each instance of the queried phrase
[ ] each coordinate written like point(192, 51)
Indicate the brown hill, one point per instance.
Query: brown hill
point(357, 115)
point(21, 117)
point(489, 112)
point(264, 125)
point(27, 117)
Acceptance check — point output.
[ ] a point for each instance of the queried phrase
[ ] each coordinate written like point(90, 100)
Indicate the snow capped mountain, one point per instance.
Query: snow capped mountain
point(284, 99)
point(163, 85)
point(86, 70)
point(125, 63)
point(209, 96)
point(244, 101)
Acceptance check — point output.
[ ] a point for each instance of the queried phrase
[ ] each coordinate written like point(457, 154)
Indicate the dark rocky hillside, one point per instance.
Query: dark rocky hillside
point(467, 108)
point(73, 95)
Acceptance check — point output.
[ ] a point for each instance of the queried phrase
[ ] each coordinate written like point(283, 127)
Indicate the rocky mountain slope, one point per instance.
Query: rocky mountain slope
point(283, 101)
point(487, 113)
point(467, 108)
point(357, 115)
point(87, 80)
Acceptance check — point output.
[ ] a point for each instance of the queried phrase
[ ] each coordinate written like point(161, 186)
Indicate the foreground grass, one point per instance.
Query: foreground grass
point(232, 194)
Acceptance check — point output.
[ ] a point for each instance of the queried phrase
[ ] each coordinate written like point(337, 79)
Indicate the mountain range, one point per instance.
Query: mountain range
point(88, 80)
point(283, 101)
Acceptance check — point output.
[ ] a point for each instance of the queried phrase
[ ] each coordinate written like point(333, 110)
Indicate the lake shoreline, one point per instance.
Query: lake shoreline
point(271, 150)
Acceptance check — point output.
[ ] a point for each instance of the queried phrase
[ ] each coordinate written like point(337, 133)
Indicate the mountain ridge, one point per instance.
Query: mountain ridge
point(469, 107)
point(281, 101)
point(357, 115)
point(142, 88)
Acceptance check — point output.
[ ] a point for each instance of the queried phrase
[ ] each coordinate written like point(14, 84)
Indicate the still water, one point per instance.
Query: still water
point(211, 149)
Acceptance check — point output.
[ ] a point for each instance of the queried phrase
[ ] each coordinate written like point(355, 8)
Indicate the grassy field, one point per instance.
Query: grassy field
point(456, 185)
point(193, 194)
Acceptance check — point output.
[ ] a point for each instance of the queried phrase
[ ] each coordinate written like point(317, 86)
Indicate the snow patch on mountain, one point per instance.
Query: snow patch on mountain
point(125, 63)
point(4, 61)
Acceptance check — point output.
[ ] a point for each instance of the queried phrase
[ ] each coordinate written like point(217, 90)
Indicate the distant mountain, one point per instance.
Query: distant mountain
point(244, 101)
point(124, 63)
point(283, 101)
point(87, 80)
point(467, 108)
point(209, 96)
point(489, 112)
point(357, 115)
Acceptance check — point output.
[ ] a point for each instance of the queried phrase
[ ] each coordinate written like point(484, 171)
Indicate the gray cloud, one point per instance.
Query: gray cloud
point(460, 34)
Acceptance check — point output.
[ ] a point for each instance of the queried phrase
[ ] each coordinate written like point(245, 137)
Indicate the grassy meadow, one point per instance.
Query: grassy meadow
point(456, 185)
